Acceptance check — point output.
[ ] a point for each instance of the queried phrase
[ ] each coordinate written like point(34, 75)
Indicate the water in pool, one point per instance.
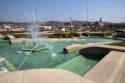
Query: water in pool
point(54, 58)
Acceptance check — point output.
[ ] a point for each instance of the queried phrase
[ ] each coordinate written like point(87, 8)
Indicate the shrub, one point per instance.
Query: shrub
point(74, 34)
point(85, 34)
point(97, 34)
point(120, 35)
point(62, 35)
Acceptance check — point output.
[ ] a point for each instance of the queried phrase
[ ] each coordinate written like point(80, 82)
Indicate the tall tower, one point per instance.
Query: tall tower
point(100, 19)
point(100, 23)
point(71, 21)
point(87, 14)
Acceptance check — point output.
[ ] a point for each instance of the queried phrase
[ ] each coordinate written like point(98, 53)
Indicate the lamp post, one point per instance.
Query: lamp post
point(87, 15)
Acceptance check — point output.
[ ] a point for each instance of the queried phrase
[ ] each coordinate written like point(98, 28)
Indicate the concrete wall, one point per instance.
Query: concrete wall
point(122, 78)
point(72, 48)
point(94, 51)
point(20, 41)
point(42, 76)
point(109, 69)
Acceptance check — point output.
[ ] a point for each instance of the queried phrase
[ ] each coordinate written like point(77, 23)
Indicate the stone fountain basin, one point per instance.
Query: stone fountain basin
point(35, 49)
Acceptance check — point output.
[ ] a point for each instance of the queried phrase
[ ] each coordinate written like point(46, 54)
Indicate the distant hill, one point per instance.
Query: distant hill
point(75, 22)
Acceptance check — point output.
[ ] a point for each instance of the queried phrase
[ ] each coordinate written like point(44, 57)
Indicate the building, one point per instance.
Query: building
point(47, 28)
point(11, 28)
point(99, 24)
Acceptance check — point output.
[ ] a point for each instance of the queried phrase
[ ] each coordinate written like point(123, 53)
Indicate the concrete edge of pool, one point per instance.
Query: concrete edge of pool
point(111, 69)
point(42, 76)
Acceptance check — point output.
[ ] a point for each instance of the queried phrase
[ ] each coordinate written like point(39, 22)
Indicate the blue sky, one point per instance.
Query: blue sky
point(46, 10)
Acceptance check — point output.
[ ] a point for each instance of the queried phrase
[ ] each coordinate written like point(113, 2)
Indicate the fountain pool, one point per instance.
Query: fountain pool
point(51, 58)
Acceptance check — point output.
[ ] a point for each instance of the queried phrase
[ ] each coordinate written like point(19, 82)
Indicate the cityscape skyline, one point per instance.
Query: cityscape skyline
point(62, 10)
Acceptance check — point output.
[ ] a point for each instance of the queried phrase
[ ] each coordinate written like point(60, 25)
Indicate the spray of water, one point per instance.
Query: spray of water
point(37, 42)
point(34, 30)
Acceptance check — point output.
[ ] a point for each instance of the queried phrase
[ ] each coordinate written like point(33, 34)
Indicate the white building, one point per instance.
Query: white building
point(47, 27)
point(6, 26)
point(63, 30)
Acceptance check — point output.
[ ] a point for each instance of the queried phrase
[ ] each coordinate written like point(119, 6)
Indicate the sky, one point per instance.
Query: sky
point(62, 10)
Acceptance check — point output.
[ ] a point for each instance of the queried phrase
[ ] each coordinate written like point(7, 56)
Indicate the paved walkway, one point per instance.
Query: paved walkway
point(42, 76)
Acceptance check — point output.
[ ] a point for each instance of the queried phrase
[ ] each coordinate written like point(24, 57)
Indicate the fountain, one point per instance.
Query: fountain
point(37, 43)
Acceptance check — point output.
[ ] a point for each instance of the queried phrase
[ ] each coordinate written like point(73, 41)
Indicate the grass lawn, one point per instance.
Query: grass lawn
point(118, 44)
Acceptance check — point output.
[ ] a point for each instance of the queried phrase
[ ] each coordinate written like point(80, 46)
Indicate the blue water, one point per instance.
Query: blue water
point(47, 58)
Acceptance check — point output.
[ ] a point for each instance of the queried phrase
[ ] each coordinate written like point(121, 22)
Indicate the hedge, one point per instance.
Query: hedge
point(64, 35)
point(97, 34)
point(120, 35)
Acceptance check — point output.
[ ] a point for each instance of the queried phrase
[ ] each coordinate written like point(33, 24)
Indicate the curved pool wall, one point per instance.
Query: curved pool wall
point(44, 59)
point(88, 57)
